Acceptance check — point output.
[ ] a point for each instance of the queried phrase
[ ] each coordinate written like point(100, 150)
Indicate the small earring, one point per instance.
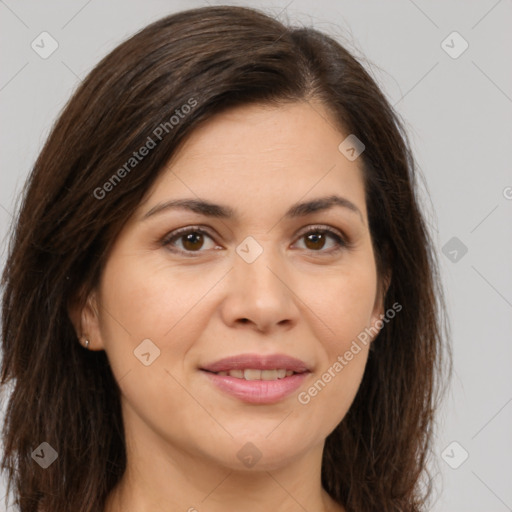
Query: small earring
point(86, 342)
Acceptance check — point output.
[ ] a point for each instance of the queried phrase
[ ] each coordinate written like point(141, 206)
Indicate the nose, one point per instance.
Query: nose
point(259, 295)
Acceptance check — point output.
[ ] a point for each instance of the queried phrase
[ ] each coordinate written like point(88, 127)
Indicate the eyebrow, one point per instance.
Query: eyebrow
point(209, 209)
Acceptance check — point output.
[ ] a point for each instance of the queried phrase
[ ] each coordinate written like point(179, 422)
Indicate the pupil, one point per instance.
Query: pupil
point(191, 240)
point(317, 240)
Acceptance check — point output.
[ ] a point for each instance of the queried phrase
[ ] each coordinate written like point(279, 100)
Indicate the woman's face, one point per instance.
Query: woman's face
point(243, 282)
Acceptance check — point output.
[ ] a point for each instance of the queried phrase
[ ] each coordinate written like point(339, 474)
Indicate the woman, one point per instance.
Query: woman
point(220, 291)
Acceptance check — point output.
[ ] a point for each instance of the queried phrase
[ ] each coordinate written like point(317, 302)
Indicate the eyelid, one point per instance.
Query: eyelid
point(322, 227)
point(192, 228)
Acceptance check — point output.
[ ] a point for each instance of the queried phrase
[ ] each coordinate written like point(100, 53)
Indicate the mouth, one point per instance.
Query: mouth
point(255, 374)
point(255, 366)
point(257, 379)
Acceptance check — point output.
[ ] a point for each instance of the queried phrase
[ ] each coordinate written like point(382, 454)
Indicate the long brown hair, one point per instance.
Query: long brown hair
point(77, 200)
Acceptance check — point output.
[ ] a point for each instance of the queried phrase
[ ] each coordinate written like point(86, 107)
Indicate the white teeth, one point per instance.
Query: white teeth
point(268, 374)
point(252, 374)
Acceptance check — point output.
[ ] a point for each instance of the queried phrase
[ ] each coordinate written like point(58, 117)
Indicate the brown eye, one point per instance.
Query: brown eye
point(192, 241)
point(188, 240)
point(316, 239)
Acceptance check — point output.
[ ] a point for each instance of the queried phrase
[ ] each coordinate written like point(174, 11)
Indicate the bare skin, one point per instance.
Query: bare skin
point(304, 296)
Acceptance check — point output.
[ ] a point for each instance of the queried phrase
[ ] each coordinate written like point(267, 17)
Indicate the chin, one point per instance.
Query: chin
point(255, 452)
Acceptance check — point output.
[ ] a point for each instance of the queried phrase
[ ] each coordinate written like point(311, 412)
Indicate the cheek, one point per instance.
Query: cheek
point(344, 300)
point(151, 301)
point(159, 303)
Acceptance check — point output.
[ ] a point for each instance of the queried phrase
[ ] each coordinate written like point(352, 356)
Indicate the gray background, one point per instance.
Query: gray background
point(458, 112)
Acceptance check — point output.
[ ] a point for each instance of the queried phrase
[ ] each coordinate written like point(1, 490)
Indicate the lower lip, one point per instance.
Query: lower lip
point(257, 391)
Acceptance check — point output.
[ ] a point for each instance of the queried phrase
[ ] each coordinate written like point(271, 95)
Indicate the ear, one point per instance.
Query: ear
point(378, 309)
point(85, 320)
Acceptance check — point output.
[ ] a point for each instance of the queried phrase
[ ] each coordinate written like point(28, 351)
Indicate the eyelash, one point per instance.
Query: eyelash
point(341, 241)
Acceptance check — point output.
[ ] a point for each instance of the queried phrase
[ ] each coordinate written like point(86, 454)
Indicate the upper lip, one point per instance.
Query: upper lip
point(257, 362)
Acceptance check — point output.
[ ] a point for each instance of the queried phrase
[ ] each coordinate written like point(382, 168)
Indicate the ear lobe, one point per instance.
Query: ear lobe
point(85, 320)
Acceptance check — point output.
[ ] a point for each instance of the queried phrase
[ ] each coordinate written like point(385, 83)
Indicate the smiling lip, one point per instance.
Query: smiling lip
point(257, 362)
point(257, 391)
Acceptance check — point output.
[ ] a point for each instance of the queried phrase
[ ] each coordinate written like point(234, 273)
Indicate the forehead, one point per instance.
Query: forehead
point(261, 152)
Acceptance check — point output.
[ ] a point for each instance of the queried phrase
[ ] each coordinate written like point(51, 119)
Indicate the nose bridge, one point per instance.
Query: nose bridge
point(257, 290)
point(256, 266)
